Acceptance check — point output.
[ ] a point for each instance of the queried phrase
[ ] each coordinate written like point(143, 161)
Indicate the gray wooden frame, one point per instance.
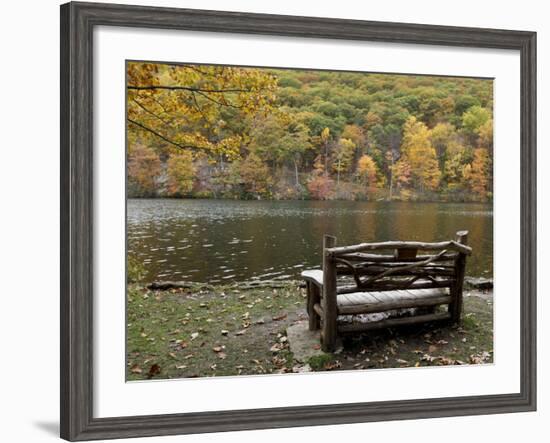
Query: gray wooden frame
point(77, 24)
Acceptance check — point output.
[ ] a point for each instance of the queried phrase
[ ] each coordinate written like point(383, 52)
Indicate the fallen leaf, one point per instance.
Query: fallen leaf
point(225, 332)
point(135, 369)
point(222, 355)
point(333, 365)
point(153, 370)
point(217, 349)
point(194, 335)
point(279, 317)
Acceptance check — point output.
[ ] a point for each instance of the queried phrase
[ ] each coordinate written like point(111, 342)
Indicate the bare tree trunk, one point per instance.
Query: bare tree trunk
point(391, 177)
point(326, 159)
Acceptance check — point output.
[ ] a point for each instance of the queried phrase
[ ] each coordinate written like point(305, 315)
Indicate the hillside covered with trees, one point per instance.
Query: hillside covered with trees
point(208, 131)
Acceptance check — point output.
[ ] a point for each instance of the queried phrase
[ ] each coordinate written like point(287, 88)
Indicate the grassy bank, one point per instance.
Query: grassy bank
point(223, 330)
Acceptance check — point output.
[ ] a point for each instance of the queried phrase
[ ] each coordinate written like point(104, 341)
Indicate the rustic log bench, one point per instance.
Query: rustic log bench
point(385, 277)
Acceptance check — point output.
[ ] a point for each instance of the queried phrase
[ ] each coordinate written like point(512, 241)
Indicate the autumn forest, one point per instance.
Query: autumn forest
point(203, 131)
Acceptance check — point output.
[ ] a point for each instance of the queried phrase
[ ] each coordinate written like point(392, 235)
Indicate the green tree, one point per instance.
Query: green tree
point(474, 119)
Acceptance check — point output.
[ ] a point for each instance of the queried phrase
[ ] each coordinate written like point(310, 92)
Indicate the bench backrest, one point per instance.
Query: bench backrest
point(395, 265)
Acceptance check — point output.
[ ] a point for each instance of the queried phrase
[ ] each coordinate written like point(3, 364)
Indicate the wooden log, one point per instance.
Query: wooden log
point(381, 266)
point(385, 258)
point(330, 309)
point(406, 272)
point(455, 308)
point(438, 246)
point(392, 322)
point(318, 309)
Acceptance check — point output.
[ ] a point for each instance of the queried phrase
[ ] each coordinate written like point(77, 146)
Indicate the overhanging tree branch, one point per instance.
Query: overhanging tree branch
point(167, 140)
point(206, 96)
point(184, 88)
point(149, 111)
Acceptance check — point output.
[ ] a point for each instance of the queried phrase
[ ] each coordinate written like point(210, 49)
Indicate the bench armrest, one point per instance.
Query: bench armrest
point(314, 276)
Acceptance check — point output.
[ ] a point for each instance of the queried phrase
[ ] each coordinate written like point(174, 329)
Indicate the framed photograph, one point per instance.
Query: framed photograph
point(273, 221)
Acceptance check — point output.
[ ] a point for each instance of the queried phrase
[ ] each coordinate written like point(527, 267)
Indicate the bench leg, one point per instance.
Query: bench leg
point(313, 297)
point(328, 338)
point(328, 330)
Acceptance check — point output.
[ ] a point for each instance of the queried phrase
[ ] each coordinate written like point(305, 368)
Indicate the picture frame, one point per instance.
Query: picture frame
point(78, 21)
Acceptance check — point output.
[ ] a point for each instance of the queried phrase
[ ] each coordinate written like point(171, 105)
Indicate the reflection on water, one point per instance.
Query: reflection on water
point(226, 241)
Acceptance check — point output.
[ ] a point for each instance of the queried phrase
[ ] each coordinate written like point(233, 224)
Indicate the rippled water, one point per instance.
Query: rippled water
point(226, 241)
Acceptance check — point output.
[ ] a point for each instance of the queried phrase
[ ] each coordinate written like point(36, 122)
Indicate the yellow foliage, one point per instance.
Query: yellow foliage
point(477, 173)
point(180, 105)
point(367, 170)
point(417, 150)
point(181, 172)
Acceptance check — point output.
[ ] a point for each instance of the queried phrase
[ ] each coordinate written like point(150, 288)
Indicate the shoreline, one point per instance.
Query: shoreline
point(470, 282)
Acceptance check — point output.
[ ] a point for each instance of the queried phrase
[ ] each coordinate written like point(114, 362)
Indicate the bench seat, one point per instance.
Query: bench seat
point(380, 301)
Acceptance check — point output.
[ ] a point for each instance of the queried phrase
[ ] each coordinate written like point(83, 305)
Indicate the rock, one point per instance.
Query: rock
point(480, 283)
point(166, 285)
point(303, 343)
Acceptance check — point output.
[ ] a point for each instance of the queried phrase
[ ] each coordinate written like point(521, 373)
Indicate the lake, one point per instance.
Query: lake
point(224, 241)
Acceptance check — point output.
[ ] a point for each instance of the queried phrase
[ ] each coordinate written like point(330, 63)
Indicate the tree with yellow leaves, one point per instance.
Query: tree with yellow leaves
point(367, 171)
point(343, 154)
point(255, 176)
point(477, 174)
point(144, 168)
point(181, 106)
point(180, 172)
point(418, 152)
